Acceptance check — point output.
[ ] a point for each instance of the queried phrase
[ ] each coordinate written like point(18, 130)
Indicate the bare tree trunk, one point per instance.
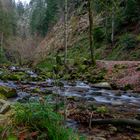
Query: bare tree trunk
point(90, 32)
point(113, 26)
point(106, 20)
point(66, 47)
point(1, 44)
point(66, 30)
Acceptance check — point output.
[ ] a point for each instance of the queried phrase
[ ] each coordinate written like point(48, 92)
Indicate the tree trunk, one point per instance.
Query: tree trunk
point(66, 30)
point(113, 26)
point(1, 44)
point(90, 32)
point(106, 20)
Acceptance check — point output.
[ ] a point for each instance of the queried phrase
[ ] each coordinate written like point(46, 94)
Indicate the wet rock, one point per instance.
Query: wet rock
point(78, 89)
point(12, 68)
point(24, 99)
point(116, 103)
point(90, 98)
point(34, 99)
point(23, 95)
point(105, 85)
point(96, 93)
point(48, 91)
point(8, 92)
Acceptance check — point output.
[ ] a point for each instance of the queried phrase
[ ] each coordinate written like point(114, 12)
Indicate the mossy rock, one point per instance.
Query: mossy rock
point(2, 97)
point(8, 92)
point(16, 77)
point(36, 90)
point(38, 78)
point(4, 75)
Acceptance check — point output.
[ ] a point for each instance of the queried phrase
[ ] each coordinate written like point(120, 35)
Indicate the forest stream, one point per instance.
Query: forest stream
point(82, 101)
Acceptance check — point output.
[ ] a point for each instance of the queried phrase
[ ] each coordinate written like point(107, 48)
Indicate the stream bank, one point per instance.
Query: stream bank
point(85, 101)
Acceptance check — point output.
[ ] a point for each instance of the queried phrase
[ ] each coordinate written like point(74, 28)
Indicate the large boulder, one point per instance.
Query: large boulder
point(7, 92)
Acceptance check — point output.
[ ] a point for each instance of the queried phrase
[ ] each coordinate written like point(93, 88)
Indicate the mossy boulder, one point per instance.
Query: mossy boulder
point(4, 75)
point(7, 92)
point(2, 97)
point(17, 76)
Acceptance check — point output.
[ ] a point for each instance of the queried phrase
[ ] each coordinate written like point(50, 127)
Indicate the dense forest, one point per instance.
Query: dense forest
point(70, 70)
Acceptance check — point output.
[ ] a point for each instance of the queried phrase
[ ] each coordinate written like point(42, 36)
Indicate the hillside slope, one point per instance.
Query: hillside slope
point(126, 46)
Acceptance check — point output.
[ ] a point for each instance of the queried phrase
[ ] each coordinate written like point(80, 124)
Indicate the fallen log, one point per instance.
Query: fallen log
point(119, 122)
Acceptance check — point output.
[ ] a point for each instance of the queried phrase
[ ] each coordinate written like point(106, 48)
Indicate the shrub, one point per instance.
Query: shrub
point(41, 117)
point(127, 41)
point(98, 34)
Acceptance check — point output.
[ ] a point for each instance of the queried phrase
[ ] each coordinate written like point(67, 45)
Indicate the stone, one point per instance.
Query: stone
point(8, 92)
point(112, 129)
point(23, 97)
point(23, 94)
point(105, 85)
point(116, 103)
point(34, 99)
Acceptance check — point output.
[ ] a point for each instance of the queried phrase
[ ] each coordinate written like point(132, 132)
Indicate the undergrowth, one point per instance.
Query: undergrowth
point(41, 117)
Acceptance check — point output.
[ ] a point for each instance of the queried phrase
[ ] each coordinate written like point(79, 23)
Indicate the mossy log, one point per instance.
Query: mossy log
point(118, 122)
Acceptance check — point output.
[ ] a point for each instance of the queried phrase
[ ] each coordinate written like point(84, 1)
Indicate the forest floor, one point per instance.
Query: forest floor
point(122, 73)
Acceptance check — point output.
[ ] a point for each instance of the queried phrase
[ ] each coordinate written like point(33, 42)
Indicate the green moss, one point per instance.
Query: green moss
point(2, 96)
point(8, 92)
point(36, 90)
point(47, 64)
point(102, 110)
